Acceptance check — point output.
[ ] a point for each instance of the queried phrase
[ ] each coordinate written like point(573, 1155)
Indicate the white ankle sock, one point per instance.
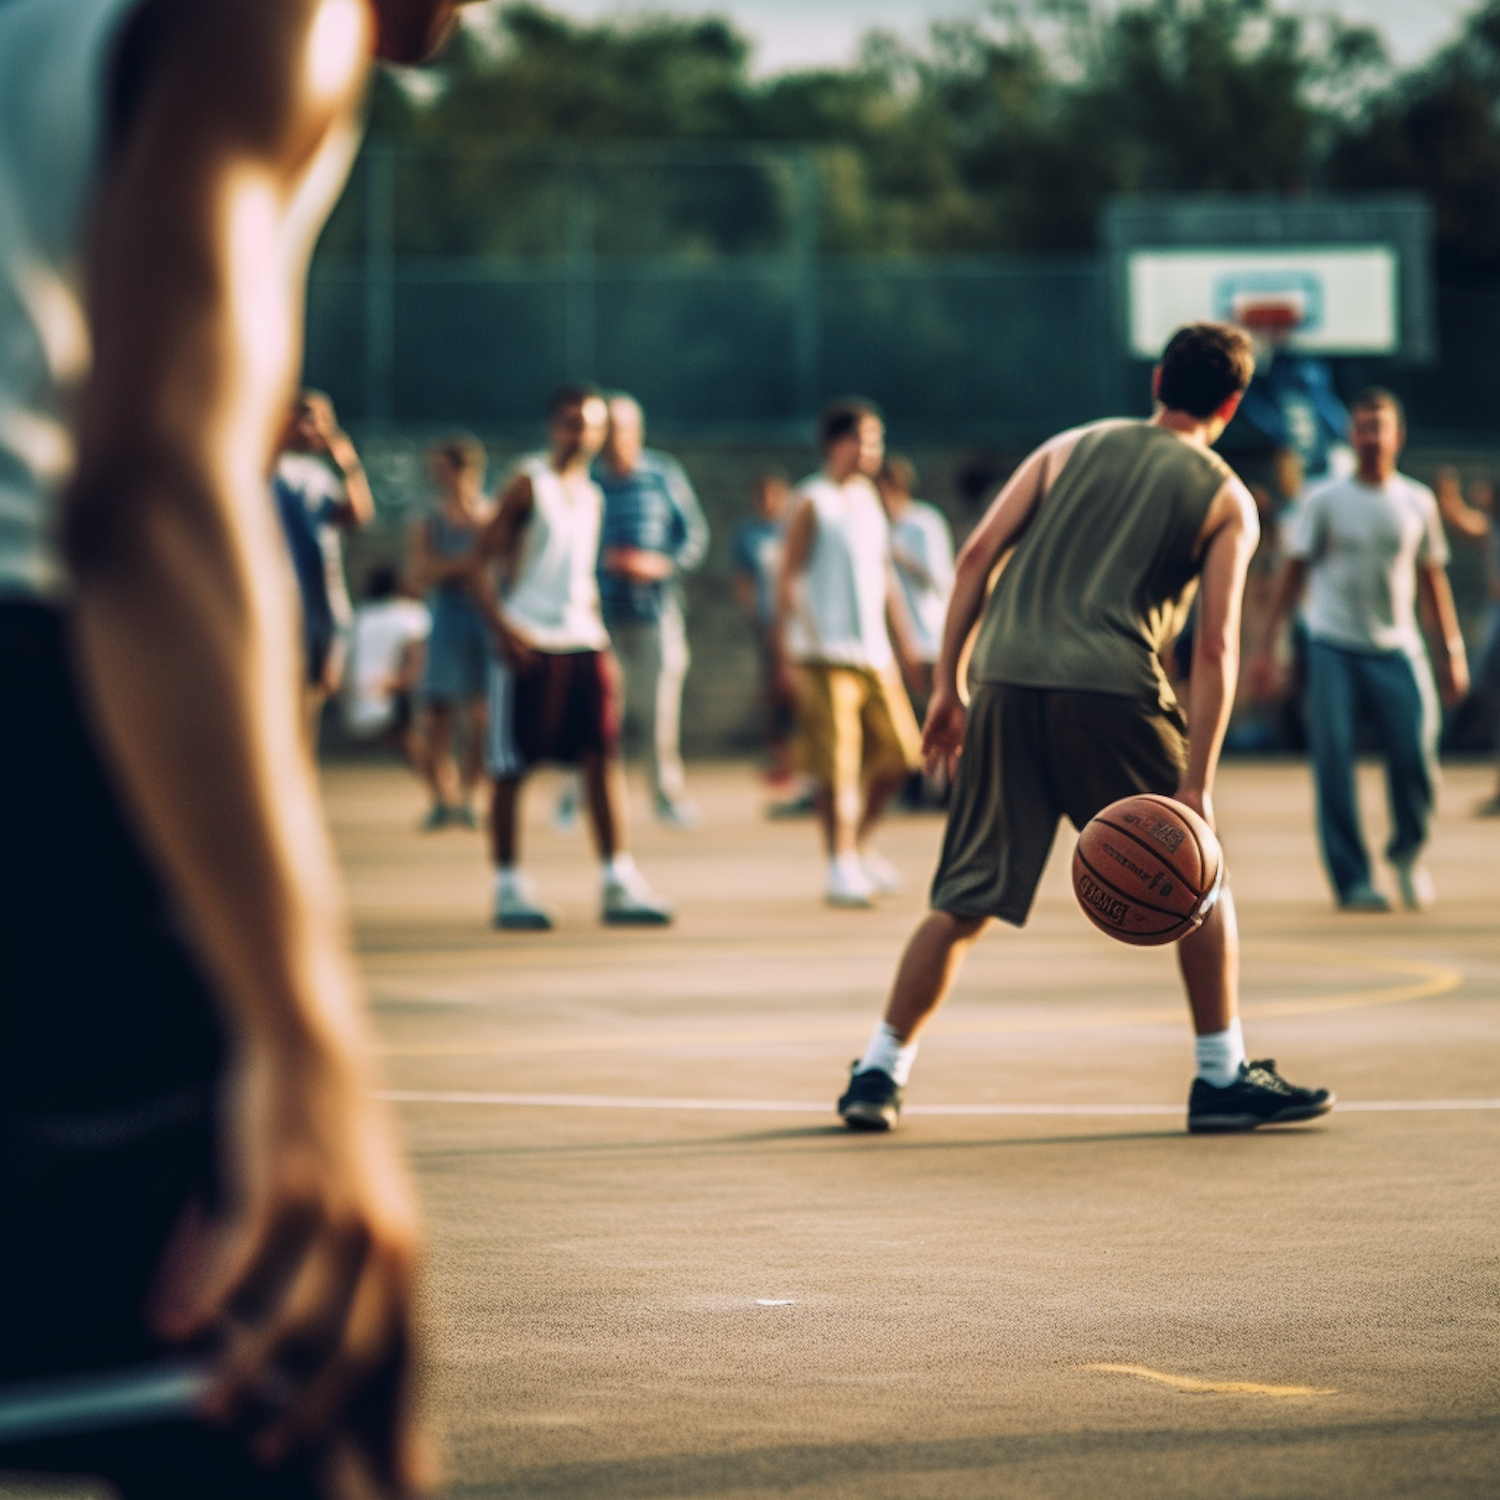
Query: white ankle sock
point(1220, 1054)
point(508, 881)
point(890, 1054)
point(848, 865)
point(617, 870)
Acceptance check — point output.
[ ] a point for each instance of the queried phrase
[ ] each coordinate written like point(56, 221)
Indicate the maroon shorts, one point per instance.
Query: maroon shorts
point(560, 706)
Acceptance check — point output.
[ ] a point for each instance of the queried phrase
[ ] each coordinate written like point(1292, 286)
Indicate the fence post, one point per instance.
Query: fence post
point(807, 316)
point(578, 303)
point(380, 283)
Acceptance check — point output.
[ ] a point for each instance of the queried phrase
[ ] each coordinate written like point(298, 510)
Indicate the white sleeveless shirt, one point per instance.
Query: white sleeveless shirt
point(840, 613)
point(554, 598)
point(54, 61)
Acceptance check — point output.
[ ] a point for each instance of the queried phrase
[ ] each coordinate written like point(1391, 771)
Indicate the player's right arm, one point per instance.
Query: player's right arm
point(1231, 534)
point(1000, 528)
point(498, 545)
point(187, 653)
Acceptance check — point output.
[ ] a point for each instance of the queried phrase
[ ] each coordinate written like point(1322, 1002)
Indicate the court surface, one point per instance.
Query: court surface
point(660, 1267)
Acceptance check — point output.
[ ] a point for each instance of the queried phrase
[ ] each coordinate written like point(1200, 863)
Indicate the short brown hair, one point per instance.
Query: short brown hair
point(1203, 365)
point(462, 452)
point(1378, 395)
point(899, 471)
point(840, 418)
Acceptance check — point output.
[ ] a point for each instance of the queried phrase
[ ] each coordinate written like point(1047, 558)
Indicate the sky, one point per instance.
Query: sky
point(813, 33)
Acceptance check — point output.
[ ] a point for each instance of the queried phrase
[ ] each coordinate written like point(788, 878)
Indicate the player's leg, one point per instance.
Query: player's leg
point(591, 733)
point(1101, 748)
point(442, 773)
point(892, 751)
point(1404, 699)
point(1332, 703)
point(999, 832)
point(473, 715)
point(670, 662)
point(515, 722)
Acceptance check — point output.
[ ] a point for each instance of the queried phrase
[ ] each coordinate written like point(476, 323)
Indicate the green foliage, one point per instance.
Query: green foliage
point(1003, 133)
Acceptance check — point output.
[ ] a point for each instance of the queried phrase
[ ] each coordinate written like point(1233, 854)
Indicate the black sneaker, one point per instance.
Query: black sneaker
point(1259, 1096)
point(872, 1101)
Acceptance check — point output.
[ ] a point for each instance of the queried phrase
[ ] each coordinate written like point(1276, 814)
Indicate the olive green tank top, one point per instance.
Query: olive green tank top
point(1102, 577)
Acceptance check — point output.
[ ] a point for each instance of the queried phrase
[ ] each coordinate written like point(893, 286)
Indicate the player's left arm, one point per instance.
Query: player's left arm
point(1436, 595)
point(357, 508)
point(693, 539)
point(1229, 538)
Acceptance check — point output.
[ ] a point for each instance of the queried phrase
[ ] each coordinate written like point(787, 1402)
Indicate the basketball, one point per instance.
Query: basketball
point(1147, 870)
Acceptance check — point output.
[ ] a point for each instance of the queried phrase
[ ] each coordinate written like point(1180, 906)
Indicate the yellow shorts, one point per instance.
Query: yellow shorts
point(855, 723)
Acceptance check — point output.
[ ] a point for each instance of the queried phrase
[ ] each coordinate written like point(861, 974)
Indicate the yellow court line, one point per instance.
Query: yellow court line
point(1431, 980)
point(1207, 1387)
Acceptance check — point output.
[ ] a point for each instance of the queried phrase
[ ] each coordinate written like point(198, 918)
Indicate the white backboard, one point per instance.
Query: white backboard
point(1339, 299)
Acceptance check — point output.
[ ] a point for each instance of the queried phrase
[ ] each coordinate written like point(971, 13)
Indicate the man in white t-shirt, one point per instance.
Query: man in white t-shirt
point(387, 649)
point(555, 684)
point(1367, 548)
point(838, 603)
point(922, 549)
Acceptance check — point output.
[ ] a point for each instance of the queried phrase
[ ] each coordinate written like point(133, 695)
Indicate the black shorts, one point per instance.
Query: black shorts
point(563, 705)
point(111, 1052)
point(1033, 756)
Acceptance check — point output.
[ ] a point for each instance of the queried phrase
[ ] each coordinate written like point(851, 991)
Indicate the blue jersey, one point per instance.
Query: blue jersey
point(1295, 405)
point(655, 509)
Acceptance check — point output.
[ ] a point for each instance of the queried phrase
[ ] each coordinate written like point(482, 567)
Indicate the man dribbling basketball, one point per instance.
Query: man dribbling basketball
point(1108, 527)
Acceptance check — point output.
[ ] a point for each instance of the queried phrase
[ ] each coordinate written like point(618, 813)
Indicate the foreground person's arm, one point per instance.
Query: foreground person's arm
point(1231, 534)
point(189, 660)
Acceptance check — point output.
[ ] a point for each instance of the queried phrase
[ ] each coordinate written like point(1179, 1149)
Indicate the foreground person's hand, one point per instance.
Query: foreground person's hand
point(943, 732)
point(306, 1291)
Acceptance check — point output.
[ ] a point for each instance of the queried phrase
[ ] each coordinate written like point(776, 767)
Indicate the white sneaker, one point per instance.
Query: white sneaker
point(881, 873)
point(629, 902)
point(848, 885)
point(516, 910)
point(1415, 883)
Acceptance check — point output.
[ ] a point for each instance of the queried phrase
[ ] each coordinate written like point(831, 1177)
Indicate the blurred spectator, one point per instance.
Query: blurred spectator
point(440, 550)
point(1476, 524)
point(1370, 546)
point(387, 647)
point(654, 531)
point(1292, 402)
point(320, 489)
point(838, 604)
point(755, 563)
point(922, 550)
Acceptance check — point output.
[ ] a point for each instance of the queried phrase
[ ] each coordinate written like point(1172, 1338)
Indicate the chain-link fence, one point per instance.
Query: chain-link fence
point(458, 285)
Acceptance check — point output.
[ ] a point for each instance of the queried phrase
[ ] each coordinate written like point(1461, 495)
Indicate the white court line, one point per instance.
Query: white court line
point(800, 1107)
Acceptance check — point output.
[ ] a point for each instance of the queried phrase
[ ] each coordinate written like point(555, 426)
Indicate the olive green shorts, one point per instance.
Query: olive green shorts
point(1033, 756)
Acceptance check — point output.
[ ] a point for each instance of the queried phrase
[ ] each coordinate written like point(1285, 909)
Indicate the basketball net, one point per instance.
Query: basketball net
point(1270, 322)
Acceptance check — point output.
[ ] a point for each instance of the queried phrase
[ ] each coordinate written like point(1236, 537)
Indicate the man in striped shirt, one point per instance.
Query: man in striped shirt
point(654, 530)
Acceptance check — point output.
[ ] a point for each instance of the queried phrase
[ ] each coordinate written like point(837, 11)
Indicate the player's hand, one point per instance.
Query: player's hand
point(1453, 673)
point(1263, 677)
point(515, 650)
point(638, 564)
point(943, 732)
point(306, 1289)
point(1197, 799)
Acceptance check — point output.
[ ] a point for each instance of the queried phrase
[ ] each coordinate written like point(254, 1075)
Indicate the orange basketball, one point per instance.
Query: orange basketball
point(1147, 870)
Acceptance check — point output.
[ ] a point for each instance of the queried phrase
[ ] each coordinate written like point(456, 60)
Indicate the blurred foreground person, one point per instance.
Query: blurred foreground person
point(1478, 525)
point(554, 687)
point(1366, 549)
point(208, 1236)
point(653, 532)
point(838, 605)
point(387, 654)
point(440, 556)
point(1109, 528)
point(321, 491)
point(755, 565)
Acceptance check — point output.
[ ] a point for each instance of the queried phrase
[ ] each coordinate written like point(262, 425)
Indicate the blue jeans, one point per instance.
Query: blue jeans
point(1399, 693)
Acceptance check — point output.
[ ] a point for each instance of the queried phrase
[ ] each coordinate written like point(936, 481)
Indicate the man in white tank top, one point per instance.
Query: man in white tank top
point(183, 1056)
point(838, 603)
point(555, 685)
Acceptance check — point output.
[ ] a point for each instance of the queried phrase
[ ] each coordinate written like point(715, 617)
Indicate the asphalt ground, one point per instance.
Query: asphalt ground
point(659, 1267)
